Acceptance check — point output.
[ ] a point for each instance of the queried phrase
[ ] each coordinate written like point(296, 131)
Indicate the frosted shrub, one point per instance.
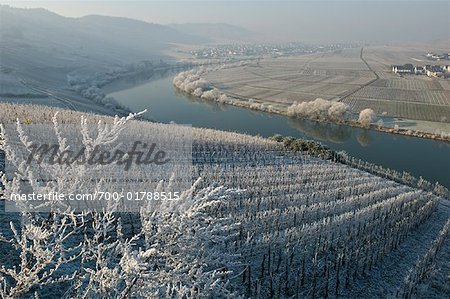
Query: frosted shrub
point(292, 226)
point(212, 95)
point(338, 111)
point(175, 252)
point(255, 106)
point(191, 82)
point(194, 84)
point(40, 243)
point(198, 92)
point(319, 109)
point(223, 99)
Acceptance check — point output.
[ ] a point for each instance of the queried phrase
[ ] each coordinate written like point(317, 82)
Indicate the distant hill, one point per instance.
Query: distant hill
point(43, 47)
point(218, 31)
point(125, 28)
point(100, 37)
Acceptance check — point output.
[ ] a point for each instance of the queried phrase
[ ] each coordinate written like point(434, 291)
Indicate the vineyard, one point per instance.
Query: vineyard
point(406, 98)
point(339, 76)
point(401, 109)
point(422, 96)
point(414, 97)
point(290, 79)
point(294, 226)
point(309, 228)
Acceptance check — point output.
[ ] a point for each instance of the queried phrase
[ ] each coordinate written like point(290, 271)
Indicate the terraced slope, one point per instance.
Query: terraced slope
point(308, 228)
point(313, 228)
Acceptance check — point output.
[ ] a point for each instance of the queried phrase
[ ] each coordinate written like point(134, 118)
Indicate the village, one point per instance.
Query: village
point(436, 71)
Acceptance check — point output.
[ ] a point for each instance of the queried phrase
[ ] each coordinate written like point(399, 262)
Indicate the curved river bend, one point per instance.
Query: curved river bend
point(421, 157)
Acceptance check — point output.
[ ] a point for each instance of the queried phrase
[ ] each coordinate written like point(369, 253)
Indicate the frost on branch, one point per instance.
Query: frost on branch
point(174, 251)
point(41, 246)
point(28, 176)
point(175, 254)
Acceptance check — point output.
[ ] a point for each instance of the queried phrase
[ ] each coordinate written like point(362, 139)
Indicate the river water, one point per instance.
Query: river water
point(421, 157)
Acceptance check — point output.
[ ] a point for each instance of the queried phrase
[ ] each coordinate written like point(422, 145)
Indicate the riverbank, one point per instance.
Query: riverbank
point(307, 190)
point(42, 114)
point(419, 156)
point(419, 106)
point(279, 109)
point(316, 149)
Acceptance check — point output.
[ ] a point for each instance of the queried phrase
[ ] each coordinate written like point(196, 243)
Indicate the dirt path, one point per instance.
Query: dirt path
point(363, 85)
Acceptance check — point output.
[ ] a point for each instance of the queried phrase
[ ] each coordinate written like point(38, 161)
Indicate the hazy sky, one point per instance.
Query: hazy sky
point(292, 20)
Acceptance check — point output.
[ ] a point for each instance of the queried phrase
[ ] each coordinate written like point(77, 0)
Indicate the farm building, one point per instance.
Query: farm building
point(433, 56)
point(434, 70)
point(419, 70)
point(403, 69)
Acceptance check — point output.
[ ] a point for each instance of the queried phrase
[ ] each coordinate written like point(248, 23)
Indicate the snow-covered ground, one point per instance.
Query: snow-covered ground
point(299, 226)
point(388, 276)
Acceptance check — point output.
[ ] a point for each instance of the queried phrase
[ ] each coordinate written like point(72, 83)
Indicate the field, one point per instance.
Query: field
point(343, 76)
point(410, 97)
point(289, 79)
point(294, 226)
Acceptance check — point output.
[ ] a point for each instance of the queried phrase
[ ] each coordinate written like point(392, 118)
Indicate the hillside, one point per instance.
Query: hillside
point(40, 51)
point(48, 59)
point(300, 226)
point(76, 40)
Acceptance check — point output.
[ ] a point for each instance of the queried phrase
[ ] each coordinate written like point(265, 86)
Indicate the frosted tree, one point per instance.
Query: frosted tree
point(319, 109)
point(42, 239)
point(366, 117)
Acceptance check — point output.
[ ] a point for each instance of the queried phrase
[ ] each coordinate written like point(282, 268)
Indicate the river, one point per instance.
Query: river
point(420, 157)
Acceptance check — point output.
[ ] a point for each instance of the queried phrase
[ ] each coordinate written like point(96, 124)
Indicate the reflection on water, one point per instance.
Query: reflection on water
point(322, 131)
point(135, 80)
point(214, 106)
point(421, 157)
point(364, 138)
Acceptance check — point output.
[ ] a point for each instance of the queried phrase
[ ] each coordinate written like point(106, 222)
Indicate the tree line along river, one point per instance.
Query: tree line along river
point(420, 157)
